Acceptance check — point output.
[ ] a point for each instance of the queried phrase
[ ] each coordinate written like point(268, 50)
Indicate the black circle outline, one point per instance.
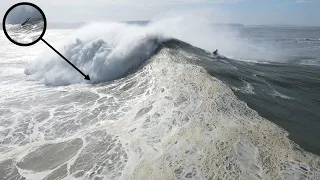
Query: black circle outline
point(29, 4)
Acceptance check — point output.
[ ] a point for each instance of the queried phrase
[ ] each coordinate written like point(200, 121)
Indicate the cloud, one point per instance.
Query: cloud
point(119, 10)
point(306, 1)
point(221, 11)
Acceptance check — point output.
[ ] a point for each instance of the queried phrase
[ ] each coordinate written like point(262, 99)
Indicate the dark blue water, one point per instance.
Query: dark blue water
point(284, 90)
point(297, 44)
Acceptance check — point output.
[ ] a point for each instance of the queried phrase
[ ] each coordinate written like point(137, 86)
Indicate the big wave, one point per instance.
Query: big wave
point(107, 51)
point(169, 120)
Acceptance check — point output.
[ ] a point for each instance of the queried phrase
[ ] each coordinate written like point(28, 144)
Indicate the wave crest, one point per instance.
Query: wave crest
point(104, 59)
point(107, 51)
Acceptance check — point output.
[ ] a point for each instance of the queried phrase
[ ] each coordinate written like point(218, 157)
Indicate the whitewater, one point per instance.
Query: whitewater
point(150, 111)
point(31, 30)
point(26, 34)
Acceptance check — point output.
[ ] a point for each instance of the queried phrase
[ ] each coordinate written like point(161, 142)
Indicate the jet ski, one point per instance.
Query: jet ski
point(215, 52)
point(25, 22)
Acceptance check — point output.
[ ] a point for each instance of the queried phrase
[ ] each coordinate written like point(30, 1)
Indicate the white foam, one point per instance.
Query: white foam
point(169, 120)
point(196, 128)
point(108, 50)
point(248, 88)
point(275, 93)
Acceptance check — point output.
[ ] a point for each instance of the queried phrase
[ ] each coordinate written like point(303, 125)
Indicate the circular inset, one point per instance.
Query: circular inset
point(24, 24)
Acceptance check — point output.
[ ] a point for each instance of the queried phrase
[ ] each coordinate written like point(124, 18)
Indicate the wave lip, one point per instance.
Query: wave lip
point(102, 58)
point(124, 47)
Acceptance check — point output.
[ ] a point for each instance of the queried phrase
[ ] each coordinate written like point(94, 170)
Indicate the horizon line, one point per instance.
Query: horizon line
point(214, 23)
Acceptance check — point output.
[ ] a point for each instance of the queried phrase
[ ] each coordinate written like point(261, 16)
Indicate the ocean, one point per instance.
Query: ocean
point(161, 105)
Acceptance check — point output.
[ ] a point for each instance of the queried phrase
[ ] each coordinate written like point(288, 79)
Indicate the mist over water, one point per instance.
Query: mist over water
point(108, 50)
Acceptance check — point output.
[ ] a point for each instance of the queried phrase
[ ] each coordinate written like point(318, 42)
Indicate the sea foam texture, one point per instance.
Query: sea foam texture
point(168, 120)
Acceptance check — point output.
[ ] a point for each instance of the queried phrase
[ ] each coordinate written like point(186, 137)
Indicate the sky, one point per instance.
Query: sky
point(248, 12)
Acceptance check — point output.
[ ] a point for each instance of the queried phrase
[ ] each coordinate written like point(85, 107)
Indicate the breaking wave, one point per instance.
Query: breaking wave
point(107, 51)
point(170, 114)
point(104, 59)
point(169, 119)
point(26, 34)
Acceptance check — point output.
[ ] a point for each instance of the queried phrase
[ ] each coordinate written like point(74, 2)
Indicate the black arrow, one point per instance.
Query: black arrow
point(86, 77)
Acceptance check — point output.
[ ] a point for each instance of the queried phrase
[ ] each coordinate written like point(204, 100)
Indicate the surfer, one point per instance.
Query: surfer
point(215, 52)
point(27, 20)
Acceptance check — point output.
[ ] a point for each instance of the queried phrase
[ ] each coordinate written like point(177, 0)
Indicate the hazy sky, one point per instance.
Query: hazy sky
point(291, 12)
